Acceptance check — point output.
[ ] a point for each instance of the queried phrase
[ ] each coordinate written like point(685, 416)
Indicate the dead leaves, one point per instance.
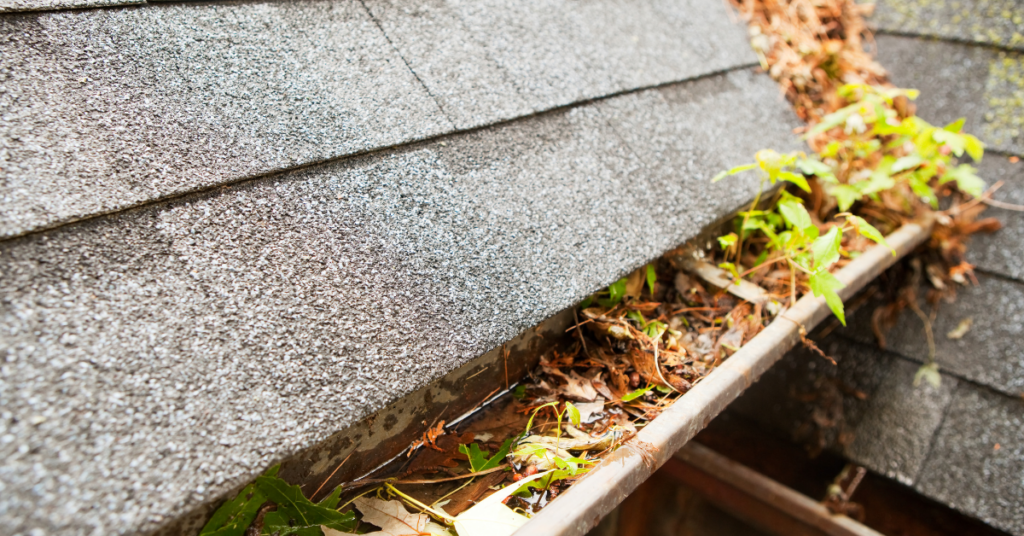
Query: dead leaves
point(429, 439)
point(392, 518)
point(811, 47)
point(444, 456)
point(490, 517)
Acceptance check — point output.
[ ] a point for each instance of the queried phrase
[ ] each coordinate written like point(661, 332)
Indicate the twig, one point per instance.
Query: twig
point(762, 265)
point(980, 199)
point(504, 355)
point(578, 323)
point(1004, 206)
point(452, 492)
point(438, 514)
point(328, 479)
point(792, 283)
point(580, 332)
point(912, 303)
point(810, 345)
point(449, 479)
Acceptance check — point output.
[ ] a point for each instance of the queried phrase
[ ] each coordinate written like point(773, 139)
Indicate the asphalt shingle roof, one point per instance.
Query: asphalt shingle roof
point(158, 357)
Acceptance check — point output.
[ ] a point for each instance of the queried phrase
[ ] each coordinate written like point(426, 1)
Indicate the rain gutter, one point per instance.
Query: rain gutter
point(582, 506)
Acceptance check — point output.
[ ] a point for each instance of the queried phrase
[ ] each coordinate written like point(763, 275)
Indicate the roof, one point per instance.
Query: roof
point(961, 444)
point(231, 230)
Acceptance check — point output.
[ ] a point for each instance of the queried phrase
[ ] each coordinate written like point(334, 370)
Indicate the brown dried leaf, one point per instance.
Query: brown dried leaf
point(643, 362)
point(447, 456)
point(578, 388)
point(467, 497)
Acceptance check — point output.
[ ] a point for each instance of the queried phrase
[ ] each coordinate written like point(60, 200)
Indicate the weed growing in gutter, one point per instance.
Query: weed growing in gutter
point(876, 159)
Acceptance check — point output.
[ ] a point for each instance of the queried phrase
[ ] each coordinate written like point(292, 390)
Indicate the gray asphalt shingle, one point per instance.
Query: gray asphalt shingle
point(989, 353)
point(157, 358)
point(559, 52)
point(977, 462)
point(109, 108)
point(470, 87)
point(811, 401)
point(895, 434)
point(9, 6)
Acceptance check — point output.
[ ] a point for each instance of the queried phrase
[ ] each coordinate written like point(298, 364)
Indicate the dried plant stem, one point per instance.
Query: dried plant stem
point(927, 328)
point(436, 513)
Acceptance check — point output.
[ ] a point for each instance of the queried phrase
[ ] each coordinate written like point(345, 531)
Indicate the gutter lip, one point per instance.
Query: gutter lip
point(581, 507)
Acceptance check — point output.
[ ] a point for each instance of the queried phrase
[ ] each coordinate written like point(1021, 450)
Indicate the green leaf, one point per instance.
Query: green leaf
point(810, 166)
point(615, 293)
point(519, 392)
point(479, 460)
point(868, 231)
point(879, 181)
point(637, 394)
point(834, 119)
point(907, 162)
point(731, 268)
point(733, 171)
point(798, 180)
point(845, 195)
point(954, 141)
point(234, 516)
point(573, 413)
point(637, 317)
point(823, 283)
point(761, 258)
point(543, 482)
point(956, 126)
point(966, 179)
point(930, 374)
point(652, 278)
point(826, 249)
point(331, 501)
point(795, 214)
point(975, 148)
point(297, 515)
point(727, 241)
point(831, 149)
point(773, 162)
point(655, 329)
point(924, 191)
point(587, 302)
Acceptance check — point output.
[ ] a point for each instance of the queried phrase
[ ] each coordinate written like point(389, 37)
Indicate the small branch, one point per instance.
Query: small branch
point(436, 513)
point(451, 478)
point(1004, 206)
point(983, 198)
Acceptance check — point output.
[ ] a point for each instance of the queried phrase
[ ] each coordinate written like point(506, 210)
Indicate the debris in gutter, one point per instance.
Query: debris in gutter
point(635, 350)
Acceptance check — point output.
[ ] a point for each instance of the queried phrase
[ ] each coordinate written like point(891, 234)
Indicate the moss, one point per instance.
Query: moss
point(996, 22)
point(1004, 94)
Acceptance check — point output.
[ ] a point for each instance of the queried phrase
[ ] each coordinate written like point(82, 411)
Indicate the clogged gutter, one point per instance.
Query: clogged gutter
point(656, 355)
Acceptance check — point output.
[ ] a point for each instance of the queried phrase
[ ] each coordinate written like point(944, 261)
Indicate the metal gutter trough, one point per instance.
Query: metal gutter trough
point(582, 506)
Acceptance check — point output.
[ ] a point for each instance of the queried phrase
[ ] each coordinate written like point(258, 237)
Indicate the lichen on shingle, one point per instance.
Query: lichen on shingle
point(1004, 96)
point(994, 22)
